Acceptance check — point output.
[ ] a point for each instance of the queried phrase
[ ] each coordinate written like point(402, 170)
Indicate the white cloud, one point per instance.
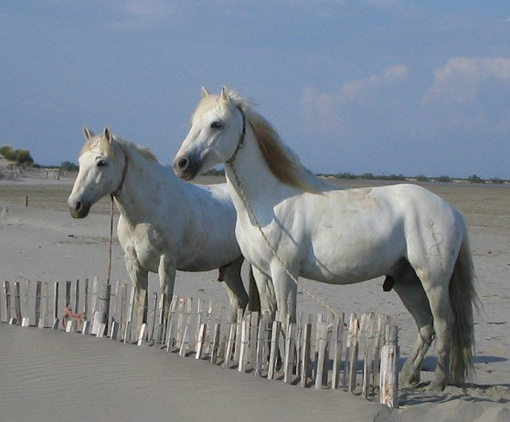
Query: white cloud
point(461, 79)
point(326, 108)
point(362, 91)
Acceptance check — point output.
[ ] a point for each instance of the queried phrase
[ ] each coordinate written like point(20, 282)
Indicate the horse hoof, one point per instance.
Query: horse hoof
point(435, 386)
point(409, 382)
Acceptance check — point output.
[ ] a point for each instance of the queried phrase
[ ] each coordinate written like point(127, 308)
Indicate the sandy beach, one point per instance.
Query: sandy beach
point(48, 376)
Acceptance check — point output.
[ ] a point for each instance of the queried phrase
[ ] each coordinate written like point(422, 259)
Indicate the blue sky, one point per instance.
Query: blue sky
point(388, 86)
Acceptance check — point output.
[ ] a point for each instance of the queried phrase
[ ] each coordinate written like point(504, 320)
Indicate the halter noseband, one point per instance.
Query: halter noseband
point(241, 138)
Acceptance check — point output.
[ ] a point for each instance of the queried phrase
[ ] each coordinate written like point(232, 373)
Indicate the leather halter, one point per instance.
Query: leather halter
point(241, 138)
point(124, 173)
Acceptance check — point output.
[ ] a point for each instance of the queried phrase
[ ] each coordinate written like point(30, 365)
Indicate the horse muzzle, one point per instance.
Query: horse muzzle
point(186, 168)
point(78, 209)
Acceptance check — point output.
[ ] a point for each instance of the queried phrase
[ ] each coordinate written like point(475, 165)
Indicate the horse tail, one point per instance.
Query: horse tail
point(464, 300)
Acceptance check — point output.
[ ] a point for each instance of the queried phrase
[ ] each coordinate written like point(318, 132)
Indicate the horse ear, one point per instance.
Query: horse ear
point(205, 93)
point(88, 134)
point(107, 134)
point(224, 94)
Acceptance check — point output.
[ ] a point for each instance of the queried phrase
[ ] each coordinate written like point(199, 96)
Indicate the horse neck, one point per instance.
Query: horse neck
point(249, 177)
point(136, 197)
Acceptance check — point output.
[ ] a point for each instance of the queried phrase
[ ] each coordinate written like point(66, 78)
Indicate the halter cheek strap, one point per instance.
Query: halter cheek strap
point(124, 173)
point(241, 138)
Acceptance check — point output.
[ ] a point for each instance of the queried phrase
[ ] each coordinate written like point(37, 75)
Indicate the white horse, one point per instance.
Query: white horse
point(165, 224)
point(291, 224)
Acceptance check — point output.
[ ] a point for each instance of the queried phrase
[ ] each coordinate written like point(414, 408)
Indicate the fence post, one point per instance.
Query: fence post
point(215, 343)
point(322, 339)
point(55, 306)
point(261, 344)
point(337, 352)
point(17, 302)
point(353, 354)
point(244, 343)
point(305, 352)
point(103, 307)
point(275, 337)
point(289, 353)
point(86, 299)
point(7, 297)
point(389, 368)
point(42, 321)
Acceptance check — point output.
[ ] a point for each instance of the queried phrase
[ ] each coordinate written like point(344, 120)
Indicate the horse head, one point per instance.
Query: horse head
point(217, 130)
point(102, 172)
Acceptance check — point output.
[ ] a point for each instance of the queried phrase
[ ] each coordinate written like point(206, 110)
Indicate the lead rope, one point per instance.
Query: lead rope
point(110, 245)
point(273, 251)
point(112, 211)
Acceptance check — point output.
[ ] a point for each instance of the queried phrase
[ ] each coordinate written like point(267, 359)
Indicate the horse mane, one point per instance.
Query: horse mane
point(282, 162)
point(108, 148)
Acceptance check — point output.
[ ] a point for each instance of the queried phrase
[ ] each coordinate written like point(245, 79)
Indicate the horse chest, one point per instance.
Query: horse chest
point(142, 244)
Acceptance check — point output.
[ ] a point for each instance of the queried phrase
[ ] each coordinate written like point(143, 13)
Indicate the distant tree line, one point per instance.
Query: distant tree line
point(17, 156)
point(420, 178)
point(22, 156)
point(389, 177)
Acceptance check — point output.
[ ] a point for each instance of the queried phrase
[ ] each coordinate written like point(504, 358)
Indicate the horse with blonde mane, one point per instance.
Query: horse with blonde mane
point(165, 224)
point(291, 224)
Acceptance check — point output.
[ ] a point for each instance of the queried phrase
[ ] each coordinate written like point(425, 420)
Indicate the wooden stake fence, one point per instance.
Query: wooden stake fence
point(360, 356)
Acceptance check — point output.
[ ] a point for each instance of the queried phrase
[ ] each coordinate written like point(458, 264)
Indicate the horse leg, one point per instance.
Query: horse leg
point(167, 271)
point(409, 289)
point(266, 291)
point(140, 281)
point(234, 284)
point(442, 312)
point(286, 293)
point(432, 273)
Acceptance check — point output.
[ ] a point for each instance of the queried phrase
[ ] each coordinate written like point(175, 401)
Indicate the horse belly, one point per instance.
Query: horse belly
point(347, 262)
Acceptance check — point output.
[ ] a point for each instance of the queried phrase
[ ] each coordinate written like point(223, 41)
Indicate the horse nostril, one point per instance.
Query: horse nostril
point(78, 206)
point(183, 163)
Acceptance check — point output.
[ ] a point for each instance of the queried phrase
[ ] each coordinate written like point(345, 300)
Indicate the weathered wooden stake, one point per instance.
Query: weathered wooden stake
point(143, 334)
point(244, 343)
point(68, 294)
point(275, 339)
point(389, 369)
point(152, 323)
point(237, 346)
point(185, 339)
point(254, 327)
point(55, 306)
point(305, 352)
point(77, 297)
point(114, 331)
point(17, 302)
point(42, 320)
point(86, 327)
point(288, 360)
point(337, 352)
point(230, 345)
point(322, 330)
point(353, 355)
point(215, 344)
point(261, 344)
point(86, 299)
point(200, 341)
point(7, 297)
point(38, 293)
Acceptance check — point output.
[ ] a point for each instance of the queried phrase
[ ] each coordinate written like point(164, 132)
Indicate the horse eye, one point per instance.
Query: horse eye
point(101, 163)
point(216, 125)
